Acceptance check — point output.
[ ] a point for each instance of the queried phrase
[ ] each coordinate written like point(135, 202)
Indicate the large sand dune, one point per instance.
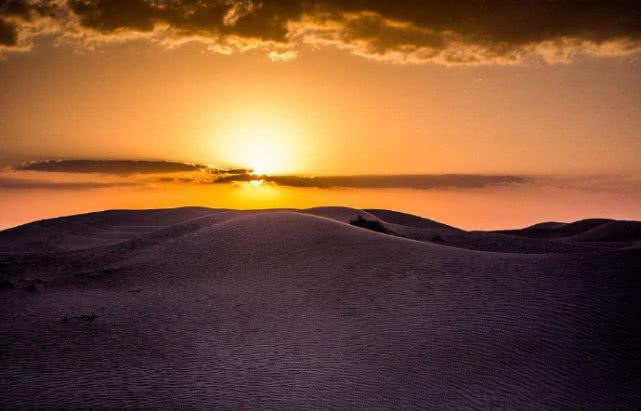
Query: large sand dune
point(206, 308)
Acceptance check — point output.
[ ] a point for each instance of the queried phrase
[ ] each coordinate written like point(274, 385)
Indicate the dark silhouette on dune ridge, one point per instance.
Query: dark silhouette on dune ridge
point(203, 308)
point(374, 225)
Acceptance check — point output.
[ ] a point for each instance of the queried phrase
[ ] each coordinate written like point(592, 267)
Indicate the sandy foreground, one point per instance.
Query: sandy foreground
point(206, 308)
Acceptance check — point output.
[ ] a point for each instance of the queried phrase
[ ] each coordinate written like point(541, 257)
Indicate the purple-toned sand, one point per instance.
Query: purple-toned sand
point(211, 308)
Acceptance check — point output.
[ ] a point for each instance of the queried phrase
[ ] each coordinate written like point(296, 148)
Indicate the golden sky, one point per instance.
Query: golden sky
point(541, 100)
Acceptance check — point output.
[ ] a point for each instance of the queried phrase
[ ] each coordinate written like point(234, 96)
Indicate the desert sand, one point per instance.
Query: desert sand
point(205, 308)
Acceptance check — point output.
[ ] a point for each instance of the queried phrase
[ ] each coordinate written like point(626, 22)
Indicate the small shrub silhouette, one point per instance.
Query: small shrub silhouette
point(436, 238)
point(373, 225)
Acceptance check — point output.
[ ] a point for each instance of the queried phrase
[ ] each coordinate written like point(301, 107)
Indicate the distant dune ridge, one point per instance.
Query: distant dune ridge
point(199, 307)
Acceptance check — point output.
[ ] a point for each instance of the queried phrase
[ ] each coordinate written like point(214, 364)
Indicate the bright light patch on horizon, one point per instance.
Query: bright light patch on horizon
point(263, 143)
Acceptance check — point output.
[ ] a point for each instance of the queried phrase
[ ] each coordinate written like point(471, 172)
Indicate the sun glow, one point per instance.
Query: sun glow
point(262, 150)
point(263, 143)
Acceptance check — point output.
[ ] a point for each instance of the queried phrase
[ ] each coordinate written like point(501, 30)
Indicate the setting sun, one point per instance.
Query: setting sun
point(266, 143)
point(261, 151)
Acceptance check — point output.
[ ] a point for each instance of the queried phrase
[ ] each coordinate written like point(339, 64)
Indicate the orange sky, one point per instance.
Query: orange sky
point(337, 113)
point(333, 110)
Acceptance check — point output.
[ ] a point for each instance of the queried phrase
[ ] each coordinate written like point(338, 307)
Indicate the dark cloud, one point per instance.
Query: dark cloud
point(236, 178)
point(261, 20)
point(183, 180)
point(9, 183)
point(121, 167)
point(20, 20)
point(8, 34)
point(451, 32)
point(516, 22)
point(418, 181)
point(230, 171)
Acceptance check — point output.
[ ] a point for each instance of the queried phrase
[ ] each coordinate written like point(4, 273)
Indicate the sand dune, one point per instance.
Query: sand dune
point(597, 232)
point(612, 231)
point(211, 308)
point(410, 220)
point(92, 229)
point(559, 230)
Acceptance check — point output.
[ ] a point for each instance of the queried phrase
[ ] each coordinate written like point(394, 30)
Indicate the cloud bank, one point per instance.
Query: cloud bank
point(412, 181)
point(10, 183)
point(123, 167)
point(411, 31)
point(86, 174)
point(141, 172)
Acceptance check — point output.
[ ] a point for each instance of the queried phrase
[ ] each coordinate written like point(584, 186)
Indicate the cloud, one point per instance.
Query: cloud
point(9, 183)
point(23, 20)
point(155, 174)
point(8, 34)
point(409, 31)
point(287, 55)
point(229, 171)
point(416, 181)
point(121, 167)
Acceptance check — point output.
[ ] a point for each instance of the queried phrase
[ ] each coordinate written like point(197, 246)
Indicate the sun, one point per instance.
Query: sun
point(262, 151)
point(266, 144)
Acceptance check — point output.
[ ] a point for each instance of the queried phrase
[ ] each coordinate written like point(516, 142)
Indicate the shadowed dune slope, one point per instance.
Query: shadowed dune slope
point(342, 214)
point(588, 231)
point(291, 309)
point(559, 230)
point(409, 220)
point(425, 230)
point(612, 231)
point(506, 243)
point(87, 231)
point(92, 229)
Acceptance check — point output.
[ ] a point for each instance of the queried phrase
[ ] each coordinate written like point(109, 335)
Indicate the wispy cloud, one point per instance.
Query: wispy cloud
point(79, 174)
point(9, 183)
point(121, 167)
point(449, 32)
point(414, 181)
point(109, 166)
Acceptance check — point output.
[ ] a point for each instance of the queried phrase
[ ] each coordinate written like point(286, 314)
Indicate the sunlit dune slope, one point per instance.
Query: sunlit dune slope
point(300, 309)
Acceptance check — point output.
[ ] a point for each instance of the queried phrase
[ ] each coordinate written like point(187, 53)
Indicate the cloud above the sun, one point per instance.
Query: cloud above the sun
point(403, 31)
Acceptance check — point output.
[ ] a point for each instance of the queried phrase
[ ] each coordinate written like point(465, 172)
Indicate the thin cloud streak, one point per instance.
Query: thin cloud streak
point(151, 173)
point(121, 167)
point(8, 183)
point(414, 181)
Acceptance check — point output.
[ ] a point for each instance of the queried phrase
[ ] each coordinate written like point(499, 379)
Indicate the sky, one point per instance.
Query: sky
point(480, 114)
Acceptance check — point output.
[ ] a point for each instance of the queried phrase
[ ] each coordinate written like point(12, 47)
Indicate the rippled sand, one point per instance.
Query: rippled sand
point(206, 308)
